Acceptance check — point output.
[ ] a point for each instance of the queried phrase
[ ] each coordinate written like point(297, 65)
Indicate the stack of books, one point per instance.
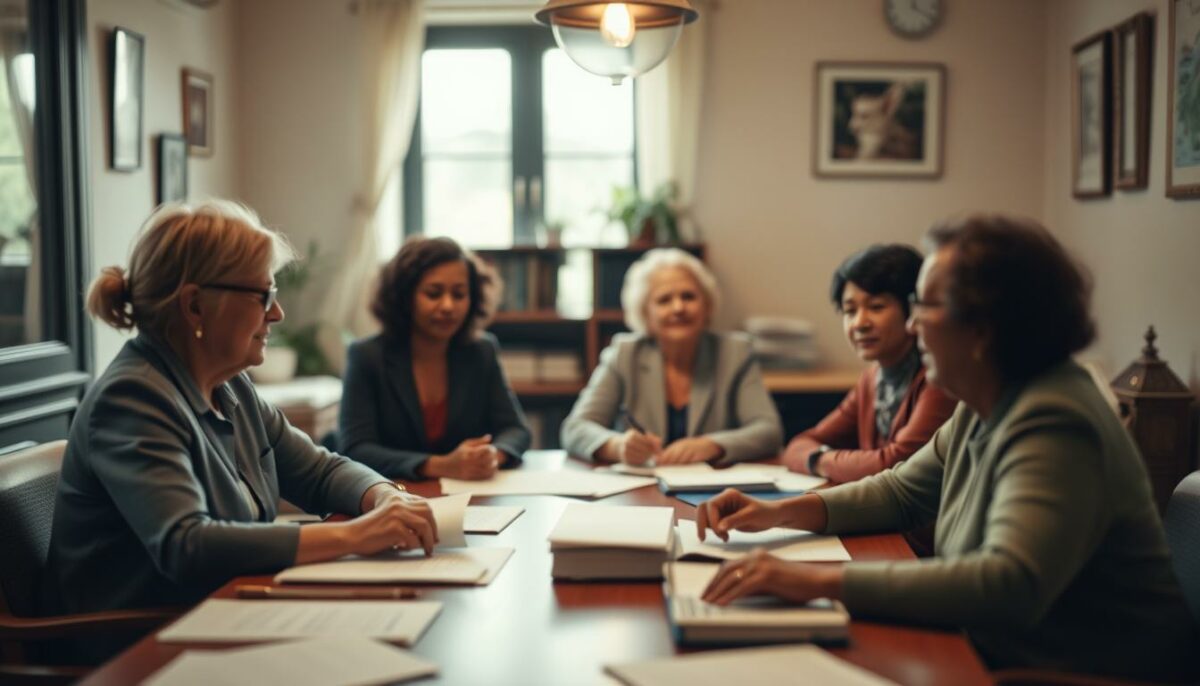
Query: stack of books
point(541, 366)
point(783, 342)
point(611, 542)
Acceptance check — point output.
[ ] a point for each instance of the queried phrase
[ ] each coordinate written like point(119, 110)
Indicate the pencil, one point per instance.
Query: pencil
point(632, 422)
point(275, 592)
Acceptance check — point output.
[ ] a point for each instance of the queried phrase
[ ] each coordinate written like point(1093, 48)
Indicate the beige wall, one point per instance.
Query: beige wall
point(1142, 246)
point(177, 35)
point(775, 232)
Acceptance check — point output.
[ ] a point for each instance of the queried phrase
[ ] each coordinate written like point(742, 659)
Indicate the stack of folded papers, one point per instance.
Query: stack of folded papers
point(611, 542)
point(783, 342)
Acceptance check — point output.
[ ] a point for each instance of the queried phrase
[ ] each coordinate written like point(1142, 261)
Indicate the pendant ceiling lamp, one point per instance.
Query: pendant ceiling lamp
point(617, 39)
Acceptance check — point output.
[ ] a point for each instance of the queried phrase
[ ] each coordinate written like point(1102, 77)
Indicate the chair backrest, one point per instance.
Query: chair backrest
point(28, 482)
point(1182, 523)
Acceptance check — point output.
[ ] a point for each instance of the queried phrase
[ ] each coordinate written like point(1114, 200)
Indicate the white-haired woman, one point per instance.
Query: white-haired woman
point(673, 391)
point(174, 466)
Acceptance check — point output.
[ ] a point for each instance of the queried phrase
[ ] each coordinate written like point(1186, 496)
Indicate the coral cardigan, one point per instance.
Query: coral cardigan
point(858, 449)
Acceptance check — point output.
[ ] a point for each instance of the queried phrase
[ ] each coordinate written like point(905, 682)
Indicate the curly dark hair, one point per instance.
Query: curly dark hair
point(879, 270)
point(392, 303)
point(1012, 277)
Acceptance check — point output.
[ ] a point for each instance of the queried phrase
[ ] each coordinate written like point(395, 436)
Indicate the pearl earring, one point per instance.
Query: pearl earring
point(199, 333)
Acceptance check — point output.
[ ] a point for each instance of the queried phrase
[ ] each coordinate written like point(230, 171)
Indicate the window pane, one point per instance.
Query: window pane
point(579, 191)
point(466, 102)
point(470, 201)
point(20, 288)
point(583, 112)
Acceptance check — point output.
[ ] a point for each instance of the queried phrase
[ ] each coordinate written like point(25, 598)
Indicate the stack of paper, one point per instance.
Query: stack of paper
point(756, 619)
point(792, 545)
point(473, 566)
point(703, 478)
point(327, 661)
point(489, 519)
point(607, 542)
point(586, 484)
point(237, 621)
point(747, 667)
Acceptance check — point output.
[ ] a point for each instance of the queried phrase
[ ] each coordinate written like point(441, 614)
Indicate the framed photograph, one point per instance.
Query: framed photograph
point(172, 168)
point(879, 119)
point(1183, 100)
point(198, 112)
point(1091, 116)
point(1131, 101)
point(127, 56)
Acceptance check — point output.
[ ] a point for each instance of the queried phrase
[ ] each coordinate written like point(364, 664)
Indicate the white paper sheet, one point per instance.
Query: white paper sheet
point(587, 484)
point(326, 661)
point(490, 519)
point(583, 525)
point(793, 545)
point(477, 566)
point(448, 512)
point(220, 620)
point(748, 667)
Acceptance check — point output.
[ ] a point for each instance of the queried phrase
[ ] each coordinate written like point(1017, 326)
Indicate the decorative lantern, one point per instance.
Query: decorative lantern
point(617, 39)
point(1156, 408)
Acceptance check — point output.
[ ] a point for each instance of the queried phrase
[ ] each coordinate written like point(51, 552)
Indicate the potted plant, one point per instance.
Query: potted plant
point(292, 349)
point(649, 220)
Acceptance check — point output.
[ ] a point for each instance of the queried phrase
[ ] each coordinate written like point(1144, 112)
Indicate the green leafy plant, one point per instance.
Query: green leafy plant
point(302, 338)
point(652, 219)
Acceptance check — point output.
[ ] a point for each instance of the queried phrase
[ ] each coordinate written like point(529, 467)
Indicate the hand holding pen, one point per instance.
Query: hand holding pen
point(636, 446)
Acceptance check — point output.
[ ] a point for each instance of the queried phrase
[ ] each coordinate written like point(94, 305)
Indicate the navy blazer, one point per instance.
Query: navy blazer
point(380, 422)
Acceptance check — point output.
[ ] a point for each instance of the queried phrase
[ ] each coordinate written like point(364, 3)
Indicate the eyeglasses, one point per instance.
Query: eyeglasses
point(917, 305)
point(267, 295)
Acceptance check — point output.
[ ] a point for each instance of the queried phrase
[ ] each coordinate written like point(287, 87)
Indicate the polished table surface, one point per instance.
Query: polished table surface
point(524, 629)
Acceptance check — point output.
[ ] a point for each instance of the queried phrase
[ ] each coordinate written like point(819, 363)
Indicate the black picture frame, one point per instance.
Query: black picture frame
point(127, 58)
point(1091, 116)
point(1132, 79)
point(172, 168)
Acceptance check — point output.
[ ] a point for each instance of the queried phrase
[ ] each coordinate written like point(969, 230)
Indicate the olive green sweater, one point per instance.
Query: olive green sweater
point(1049, 548)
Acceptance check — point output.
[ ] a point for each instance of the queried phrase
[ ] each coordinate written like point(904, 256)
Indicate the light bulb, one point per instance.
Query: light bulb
point(617, 25)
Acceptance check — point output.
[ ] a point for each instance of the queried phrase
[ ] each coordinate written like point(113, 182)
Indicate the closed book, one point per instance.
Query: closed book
point(747, 479)
point(751, 620)
point(611, 542)
point(608, 563)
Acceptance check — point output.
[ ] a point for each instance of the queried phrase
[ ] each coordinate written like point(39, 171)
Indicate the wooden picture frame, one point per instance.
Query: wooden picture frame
point(879, 119)
point(127, 58)
point(1091, 116)
point(198, 112)
point(172, 168)
point(1183, 100)
point(1132, 79)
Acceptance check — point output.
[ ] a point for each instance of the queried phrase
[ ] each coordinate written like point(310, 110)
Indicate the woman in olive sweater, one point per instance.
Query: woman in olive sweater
point(1049, 549)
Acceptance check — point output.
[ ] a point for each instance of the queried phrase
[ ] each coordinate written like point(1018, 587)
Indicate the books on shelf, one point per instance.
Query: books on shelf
point(611, 542)
point(783, 342)
point(754, 619)
point(530, 278)
point(541, 366)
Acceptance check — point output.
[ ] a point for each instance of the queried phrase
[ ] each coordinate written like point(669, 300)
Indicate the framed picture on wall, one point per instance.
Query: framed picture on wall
point(1183, 100)
point(1131, 102)
point(172, 168)
point(197, 112)
point(879, 119)
point(127, 56)
point(1091, 116)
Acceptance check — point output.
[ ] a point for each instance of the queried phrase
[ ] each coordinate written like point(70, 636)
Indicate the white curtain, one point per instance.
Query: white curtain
point(15, 47)
point(393, 39)
point(670, 101)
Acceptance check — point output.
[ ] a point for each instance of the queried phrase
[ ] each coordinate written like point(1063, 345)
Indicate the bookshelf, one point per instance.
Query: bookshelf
point(548, 356)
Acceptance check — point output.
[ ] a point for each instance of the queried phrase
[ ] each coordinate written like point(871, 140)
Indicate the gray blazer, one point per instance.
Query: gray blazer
point(728, 401)
point(380, 422)
point(149, 508)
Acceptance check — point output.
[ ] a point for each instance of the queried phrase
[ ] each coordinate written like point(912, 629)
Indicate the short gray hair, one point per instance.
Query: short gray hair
point(637, 283)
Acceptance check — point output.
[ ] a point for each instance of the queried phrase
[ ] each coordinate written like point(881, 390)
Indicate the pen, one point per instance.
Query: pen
point(633, 423)
point(275, 592)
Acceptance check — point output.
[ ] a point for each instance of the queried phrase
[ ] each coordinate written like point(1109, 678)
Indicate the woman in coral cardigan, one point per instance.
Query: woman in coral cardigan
point(892, 410)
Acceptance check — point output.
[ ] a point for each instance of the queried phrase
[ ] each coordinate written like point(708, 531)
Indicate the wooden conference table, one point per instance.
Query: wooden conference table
point(523, 629)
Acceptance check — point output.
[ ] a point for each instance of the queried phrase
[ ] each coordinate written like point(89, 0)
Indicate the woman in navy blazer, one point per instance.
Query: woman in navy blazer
point(427, 398)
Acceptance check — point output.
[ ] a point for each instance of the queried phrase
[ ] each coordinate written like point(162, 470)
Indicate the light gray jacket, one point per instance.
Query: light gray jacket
point(149, 508)
point(728, 401)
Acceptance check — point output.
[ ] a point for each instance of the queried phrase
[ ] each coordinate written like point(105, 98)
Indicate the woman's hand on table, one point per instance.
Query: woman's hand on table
point(731, 509)
point(689, 450)
point(634, 447)
point(397, 522)
point(760, 573)
point(475, 459)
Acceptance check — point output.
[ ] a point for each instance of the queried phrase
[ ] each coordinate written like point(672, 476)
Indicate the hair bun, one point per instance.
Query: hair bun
point(109, 298)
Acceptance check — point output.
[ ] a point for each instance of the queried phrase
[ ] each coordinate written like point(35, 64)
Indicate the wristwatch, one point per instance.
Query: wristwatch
point(814, 460)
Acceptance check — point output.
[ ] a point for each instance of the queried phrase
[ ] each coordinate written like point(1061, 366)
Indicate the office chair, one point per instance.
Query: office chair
point(1182, 524)
point(28, 481)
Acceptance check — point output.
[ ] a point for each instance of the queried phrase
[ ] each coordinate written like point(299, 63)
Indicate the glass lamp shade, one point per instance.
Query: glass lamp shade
point(617, 39)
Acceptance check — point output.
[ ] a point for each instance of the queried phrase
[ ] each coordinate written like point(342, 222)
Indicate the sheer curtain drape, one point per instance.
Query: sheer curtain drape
point(393, 40)
point(670, 102)
point(15, 47)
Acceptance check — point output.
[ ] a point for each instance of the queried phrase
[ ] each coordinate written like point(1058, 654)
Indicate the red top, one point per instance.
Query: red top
point(434, 416)
point(858, 450)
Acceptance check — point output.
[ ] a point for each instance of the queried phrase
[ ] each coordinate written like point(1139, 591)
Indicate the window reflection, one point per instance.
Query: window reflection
point(20, 301)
